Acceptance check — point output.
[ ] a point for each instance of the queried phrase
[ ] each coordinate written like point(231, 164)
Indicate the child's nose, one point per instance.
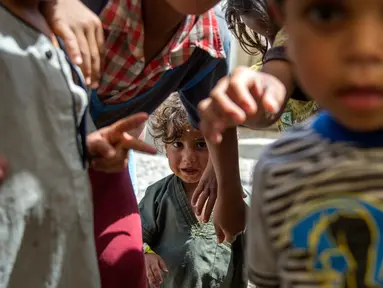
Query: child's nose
point(189, 156)
point(366, 37)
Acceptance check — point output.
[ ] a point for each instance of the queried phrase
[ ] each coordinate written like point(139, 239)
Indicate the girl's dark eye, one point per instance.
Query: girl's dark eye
point(177, 144)
point(325, 13)
point(201, 145)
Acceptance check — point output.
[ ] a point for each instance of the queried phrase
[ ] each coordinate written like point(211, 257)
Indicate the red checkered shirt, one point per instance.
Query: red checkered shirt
point(125, 73)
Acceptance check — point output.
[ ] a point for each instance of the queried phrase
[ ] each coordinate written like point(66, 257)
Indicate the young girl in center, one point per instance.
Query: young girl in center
point(180, 251)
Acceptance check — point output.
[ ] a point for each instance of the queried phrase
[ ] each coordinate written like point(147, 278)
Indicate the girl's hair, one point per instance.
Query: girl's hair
point(251, 42)
point(169, 122)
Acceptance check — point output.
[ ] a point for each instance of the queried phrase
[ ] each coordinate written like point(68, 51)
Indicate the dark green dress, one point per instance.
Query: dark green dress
point(189, 248)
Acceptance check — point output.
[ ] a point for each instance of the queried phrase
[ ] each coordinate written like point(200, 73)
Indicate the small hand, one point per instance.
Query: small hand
point(236, 98)
point(3, 169)
point(229, 216)
point(206, 193)
point(109, 146)
point(82, 33)
point(155, 266)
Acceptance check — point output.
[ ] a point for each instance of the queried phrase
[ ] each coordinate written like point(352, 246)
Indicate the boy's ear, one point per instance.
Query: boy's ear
point(276, 11)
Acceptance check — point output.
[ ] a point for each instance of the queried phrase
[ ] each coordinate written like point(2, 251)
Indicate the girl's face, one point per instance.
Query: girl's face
point(337, 50)
point(188, 156)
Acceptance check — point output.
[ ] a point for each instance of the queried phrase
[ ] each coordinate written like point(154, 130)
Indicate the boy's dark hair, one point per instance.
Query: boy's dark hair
point(251, 42)
point(169, 122)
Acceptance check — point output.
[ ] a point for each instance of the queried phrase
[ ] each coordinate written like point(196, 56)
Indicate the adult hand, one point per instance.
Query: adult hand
point(82, 33)
point(3, 169)
point(109, 146)
point(237, 98)
point(155, 266)
point(205, 195)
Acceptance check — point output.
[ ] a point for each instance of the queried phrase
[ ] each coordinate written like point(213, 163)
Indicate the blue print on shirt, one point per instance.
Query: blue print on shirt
point(343, 238)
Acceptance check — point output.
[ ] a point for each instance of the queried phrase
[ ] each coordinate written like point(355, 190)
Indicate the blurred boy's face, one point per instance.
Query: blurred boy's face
point(192, 7)
point(188, 156)
point(337, 49)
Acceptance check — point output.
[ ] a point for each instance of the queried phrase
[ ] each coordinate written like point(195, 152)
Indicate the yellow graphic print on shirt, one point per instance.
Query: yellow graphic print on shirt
point(296, 112)
point(280, 39)
point(325, 231)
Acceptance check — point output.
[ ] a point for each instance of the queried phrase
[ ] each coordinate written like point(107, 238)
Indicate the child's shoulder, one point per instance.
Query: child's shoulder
point(158, 190)
point(164, 182)
point(14, 32)
point(296, 144)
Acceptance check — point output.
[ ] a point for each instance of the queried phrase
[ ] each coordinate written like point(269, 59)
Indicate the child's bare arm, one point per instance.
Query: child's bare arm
point(230, 212)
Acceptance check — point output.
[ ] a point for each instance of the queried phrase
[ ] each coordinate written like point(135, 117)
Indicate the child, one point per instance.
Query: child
point(251, 24)
point(179, 250)
point(46, 221)
point(317, 206)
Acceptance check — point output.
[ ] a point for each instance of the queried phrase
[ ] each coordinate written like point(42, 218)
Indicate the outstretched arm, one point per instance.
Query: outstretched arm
point(230, 211)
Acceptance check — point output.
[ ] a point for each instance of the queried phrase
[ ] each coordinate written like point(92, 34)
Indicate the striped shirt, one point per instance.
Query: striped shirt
point(317, 210)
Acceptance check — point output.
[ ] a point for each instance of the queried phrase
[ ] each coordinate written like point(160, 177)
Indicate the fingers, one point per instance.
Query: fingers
point(97, 146)
point(95, 37)
point(70, 42)
point(162, 265)
point(212, 122)
point(209, 207)
point(94, 57)
point(239, 86)
point(82, 41)
point(100, 43)
point(113, 164)
point(219, 233)
point(273, 95)
point(157, 274)
point(197, 192)
point(230, 238)
point(128, 142)
point(227, 106)
point(201, 202)
point(236, 98)
point(151, 278)
point(119, 160)
point(115, 131)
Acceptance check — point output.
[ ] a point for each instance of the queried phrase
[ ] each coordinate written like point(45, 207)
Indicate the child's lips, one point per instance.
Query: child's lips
point(361, 98)
point(189, 171)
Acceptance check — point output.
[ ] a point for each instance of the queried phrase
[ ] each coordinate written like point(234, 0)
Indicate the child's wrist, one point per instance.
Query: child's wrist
point(147, 249)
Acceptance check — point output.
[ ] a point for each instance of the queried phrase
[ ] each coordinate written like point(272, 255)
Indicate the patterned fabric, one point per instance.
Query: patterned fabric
point(126, 74)
point(280, 39)
point(317, 209)
point(296, 112)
